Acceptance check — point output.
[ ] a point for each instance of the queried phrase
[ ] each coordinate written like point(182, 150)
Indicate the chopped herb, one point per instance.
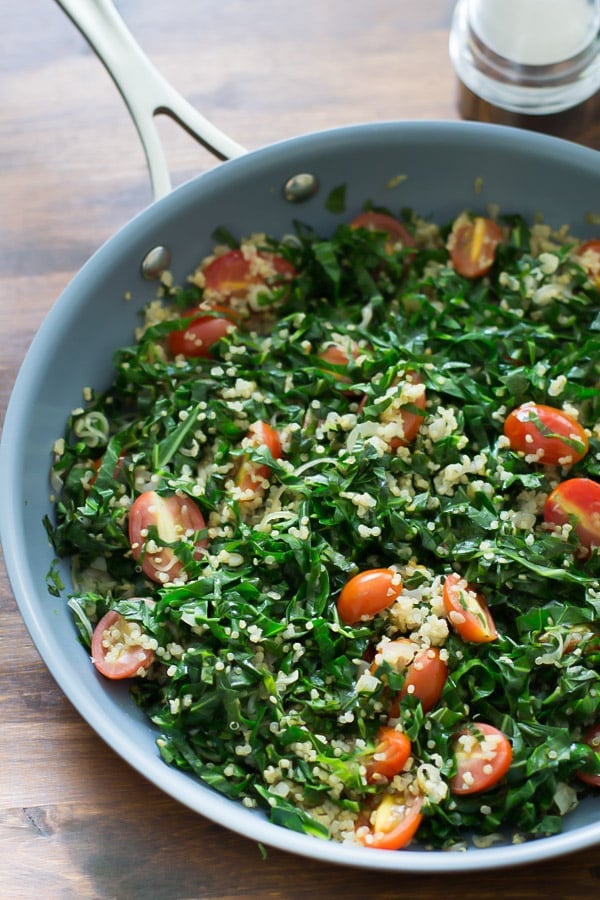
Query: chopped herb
point(336, 201)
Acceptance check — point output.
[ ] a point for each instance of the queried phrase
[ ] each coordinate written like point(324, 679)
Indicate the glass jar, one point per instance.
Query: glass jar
point(530, 63)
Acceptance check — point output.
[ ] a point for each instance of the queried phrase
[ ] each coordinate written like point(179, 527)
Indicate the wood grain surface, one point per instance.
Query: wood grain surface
point(75, 820)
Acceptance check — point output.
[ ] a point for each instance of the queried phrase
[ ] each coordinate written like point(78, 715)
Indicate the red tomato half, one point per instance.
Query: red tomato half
point(116, 649)
point(390, 755)
point(233, 273)
point(204, 330)
point(472, 245)
point(393, 824)
point(425, 679)
point(467, 611)
point(578, 500)
point(411, 421)
point(367, 594)
point(589, 257)
point(336, 356)
point(558, 438)
point(592, 737)
point(375, 221)
point(251, 475)
point(483, 756)
point(176, 518)
point(578, 635)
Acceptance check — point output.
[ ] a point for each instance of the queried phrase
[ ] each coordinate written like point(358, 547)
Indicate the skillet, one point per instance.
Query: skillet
point(439, 163)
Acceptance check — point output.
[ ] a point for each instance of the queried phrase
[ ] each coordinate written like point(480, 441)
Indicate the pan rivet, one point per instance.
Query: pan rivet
point(155, 262)
point(300, 187)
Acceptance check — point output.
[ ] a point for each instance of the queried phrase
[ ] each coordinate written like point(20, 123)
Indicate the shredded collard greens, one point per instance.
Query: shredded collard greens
point(257, 685)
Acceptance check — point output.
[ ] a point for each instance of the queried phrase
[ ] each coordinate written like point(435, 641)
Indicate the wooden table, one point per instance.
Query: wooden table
point(75, 820)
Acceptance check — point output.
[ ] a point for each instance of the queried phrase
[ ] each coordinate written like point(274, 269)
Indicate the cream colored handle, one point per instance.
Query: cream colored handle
point(144, 90)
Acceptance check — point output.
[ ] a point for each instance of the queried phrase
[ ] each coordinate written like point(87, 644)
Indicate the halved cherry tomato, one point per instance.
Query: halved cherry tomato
point(575, 637)
point(410, 421)
point(472, 245)
point(233, 273)
point(579, 634)
point(467, 611)
point(577, 500)
point(425, 671)
point(483, 756)
point(117, 647)
point(205, 329)
point(176, 518)
point(376, 221)
point(425, 679)
point(556, 437)
point(589, 257)
point(335, 355)
point(367, 593)
point(389, 757)
point(393, 823)
point(592, 737)
point(251, 475)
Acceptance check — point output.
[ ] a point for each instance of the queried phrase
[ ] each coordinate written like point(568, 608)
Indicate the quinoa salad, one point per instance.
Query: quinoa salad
point(337, 521)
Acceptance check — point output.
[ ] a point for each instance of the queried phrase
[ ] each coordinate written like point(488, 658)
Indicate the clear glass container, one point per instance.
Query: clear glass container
point(530, 57)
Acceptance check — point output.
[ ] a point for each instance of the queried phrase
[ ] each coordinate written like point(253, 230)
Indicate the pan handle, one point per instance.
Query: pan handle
point(144, 90)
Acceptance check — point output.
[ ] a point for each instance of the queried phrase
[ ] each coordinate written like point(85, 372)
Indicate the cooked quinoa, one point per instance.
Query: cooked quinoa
point(350, 419)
